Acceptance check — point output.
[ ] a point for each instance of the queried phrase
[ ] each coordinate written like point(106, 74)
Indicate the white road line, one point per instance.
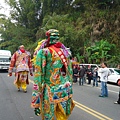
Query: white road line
point(31, 81)
point(108, 89)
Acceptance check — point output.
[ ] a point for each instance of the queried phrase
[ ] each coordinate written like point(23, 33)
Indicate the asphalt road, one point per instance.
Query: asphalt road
point(15, 105)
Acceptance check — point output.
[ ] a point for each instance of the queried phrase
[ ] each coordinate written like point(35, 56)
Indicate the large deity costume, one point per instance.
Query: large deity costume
point(52, 89)
point(22, 62)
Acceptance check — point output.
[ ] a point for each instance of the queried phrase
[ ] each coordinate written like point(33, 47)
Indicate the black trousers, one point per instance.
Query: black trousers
point(119, 97)
point(89, 79)
point(75, 79)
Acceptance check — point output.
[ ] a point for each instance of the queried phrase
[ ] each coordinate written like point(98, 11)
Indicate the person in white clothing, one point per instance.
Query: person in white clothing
point(104, 77)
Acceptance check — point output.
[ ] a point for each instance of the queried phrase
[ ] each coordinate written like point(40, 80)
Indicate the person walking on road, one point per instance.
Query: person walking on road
point(52, 89)
point(21, 60)
point(104, 77)
point(82, 75)
point(118, 101)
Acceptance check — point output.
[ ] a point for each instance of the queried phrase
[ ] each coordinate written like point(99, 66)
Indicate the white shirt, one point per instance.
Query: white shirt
point(104, 74)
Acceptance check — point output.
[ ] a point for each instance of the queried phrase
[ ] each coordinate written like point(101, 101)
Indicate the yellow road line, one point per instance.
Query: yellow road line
point(91, 111)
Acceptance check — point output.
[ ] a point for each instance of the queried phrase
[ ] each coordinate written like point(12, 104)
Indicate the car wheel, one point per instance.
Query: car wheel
point(118, 82)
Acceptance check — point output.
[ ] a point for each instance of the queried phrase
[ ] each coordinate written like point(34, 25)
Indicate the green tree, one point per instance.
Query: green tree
point(26, 14)
point(100, 52)
point(23, 23)
point(82, 24)
point(56, 6)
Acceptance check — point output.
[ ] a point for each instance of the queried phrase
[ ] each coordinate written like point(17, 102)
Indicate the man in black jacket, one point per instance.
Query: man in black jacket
point(82, 75)
point(89, 74)
point(75, 73)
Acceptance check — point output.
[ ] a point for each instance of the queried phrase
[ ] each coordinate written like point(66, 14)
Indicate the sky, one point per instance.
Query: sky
point(5, 8)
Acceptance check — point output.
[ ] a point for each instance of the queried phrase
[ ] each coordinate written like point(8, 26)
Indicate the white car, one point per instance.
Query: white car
point(113, 77)
point(92, 65)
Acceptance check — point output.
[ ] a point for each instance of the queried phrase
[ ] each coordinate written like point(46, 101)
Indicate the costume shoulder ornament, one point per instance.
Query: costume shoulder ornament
point(42, 44)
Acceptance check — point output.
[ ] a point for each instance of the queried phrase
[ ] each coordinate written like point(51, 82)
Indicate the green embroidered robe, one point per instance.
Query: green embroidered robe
point(52, 89)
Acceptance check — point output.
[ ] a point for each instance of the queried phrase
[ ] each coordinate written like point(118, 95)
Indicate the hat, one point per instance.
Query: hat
point(52, 35)
point(21, 46)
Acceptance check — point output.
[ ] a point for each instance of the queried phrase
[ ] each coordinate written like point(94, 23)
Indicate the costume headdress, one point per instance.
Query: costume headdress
point(52, 36)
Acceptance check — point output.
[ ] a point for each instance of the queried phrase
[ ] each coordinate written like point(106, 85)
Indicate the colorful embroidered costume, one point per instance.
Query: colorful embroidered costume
point(22, 62)
point(52, 89)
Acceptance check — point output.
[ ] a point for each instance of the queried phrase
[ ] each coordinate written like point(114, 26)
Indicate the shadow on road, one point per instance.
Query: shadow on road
point(3, 71)
point(112, 83)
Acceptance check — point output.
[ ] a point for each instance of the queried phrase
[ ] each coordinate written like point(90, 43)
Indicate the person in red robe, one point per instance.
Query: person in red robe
point(21, 61)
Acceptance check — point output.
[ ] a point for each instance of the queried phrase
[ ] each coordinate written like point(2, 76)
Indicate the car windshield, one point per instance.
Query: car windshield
point(4, 60)
point(117, 71)
point(112, 71)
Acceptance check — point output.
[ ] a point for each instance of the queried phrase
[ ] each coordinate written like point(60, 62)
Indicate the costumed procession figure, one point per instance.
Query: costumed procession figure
point(21, 60)
point(52, 89)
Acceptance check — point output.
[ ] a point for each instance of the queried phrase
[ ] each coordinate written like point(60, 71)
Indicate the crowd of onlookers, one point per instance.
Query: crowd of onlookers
point(84, 73)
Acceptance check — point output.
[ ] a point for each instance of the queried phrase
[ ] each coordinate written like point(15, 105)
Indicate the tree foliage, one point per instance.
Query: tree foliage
point(85, 26)
point(100, 52)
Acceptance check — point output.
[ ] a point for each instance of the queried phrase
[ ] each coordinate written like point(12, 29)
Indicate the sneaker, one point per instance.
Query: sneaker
point(106, 95)
point(18, 89)
point(101, 96)
point(116, 102)
point(25, 91)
